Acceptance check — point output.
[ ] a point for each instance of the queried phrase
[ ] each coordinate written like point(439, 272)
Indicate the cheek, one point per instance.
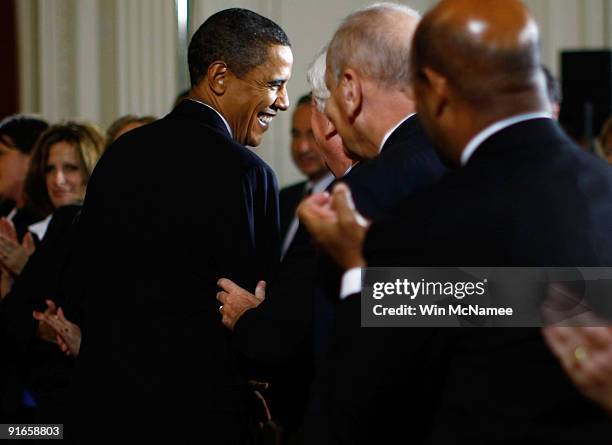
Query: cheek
point(294, 150)
point(76, 180)
point(334, 115)
point(79, 181)
point(7, 168)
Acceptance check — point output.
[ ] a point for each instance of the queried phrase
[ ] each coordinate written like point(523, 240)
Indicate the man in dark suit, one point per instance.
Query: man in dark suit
point(522, 195)
point(154, 354)
point(308, 160)
point(395, 160)
point(278, 335)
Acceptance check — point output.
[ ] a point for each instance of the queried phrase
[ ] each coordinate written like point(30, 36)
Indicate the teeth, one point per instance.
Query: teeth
point(265, 119)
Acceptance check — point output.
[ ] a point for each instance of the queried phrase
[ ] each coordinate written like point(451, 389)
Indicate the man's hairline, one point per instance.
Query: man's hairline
point(269, 45)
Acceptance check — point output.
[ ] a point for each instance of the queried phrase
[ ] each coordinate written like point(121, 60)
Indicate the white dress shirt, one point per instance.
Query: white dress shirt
point(314, 187)
point(40, 228)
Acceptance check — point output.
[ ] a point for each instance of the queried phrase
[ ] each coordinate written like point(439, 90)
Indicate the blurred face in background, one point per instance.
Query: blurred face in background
point(303, 144)
point(13, 169)
point(609, 153)
point(65, 175)
point(606, 145)
point(129, 127)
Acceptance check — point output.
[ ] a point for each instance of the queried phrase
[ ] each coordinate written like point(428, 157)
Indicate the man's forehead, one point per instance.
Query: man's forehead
point(302, 110)
point(280, 54)
point(278, 64)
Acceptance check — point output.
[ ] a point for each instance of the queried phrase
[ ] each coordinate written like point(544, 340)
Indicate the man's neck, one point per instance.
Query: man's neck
point(388, 110)
point(196, 95)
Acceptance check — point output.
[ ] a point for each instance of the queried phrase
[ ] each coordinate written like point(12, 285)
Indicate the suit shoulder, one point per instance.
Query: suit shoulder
point(289, 190)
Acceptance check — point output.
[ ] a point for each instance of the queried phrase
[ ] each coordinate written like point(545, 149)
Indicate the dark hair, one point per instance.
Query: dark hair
point(552, 86)
point(21, 131)
point(305, 99)
point(236, 36)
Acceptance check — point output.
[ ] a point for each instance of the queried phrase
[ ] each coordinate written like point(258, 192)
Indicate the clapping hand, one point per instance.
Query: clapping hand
point(336, 225)
point(67, 334)
point(585, 354)
point(14, 256)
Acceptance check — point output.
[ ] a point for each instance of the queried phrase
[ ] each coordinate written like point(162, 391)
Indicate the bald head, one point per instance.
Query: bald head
point(486, 51)
point(474, 63)
point(375, 41)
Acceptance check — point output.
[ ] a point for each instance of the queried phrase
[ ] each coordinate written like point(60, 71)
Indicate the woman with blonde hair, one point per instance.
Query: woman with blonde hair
point(59, 170)
point(61, 166)
point(62, 163)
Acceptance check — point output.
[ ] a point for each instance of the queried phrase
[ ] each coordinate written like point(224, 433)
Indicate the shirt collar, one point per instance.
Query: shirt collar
point(350, 168)
point(220, 115)
point(320, 184)
point(496, 127)
point(390, 132)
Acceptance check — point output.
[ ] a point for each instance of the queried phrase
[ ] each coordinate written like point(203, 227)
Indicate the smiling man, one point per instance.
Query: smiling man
point(172, 207)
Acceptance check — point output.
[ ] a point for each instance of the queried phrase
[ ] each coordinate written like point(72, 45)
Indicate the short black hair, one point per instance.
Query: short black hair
point(238, 37)
point(305, 99)
point(21, 131)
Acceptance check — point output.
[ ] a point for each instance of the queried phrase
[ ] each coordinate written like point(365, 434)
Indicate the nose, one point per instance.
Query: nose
point(282, 100)
point(59, 178)
point(302, 144)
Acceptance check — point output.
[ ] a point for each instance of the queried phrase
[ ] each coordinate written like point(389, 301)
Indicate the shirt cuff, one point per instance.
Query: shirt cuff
point(351, 282)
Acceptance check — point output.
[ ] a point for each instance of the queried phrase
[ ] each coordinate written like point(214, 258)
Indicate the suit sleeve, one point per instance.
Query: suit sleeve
point(245, 229)
point(280, 325)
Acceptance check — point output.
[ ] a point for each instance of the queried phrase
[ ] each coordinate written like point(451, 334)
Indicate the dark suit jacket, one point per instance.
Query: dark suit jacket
point(283, 328)
point(407, 164)
point(288, 198)
point(527, 197)
point(23, 219)
point(153, 341)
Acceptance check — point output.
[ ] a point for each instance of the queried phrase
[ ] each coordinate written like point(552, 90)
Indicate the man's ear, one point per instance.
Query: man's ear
point(351, 93)
point(439, 91)
point(217, 77)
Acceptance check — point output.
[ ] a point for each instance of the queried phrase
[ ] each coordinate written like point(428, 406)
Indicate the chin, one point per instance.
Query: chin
point(254, 142)
point(63, 202)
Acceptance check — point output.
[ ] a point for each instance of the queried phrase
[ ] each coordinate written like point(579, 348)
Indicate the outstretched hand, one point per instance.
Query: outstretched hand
point(235, 301)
